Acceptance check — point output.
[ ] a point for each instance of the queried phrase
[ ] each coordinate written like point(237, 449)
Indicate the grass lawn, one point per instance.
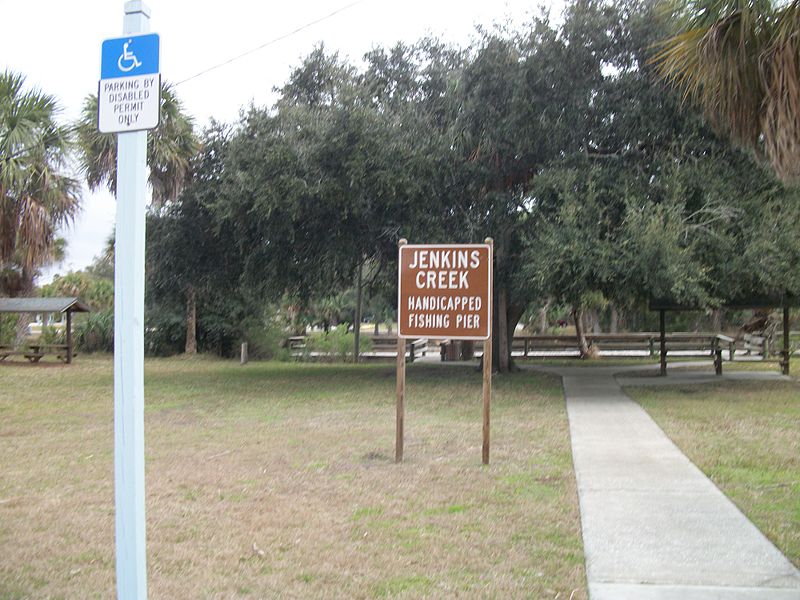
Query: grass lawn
point(278, 480)
point(744, 436)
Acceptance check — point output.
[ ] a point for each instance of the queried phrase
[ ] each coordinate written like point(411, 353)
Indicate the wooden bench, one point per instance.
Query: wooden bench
point(38, 351)
point(6, 351)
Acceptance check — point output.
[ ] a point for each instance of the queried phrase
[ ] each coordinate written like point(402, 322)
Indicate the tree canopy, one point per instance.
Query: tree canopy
point(558, 139)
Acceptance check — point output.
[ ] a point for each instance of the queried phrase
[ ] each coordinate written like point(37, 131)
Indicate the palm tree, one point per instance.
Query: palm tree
point(170, 149)
point(739, 60)
point(36, 197)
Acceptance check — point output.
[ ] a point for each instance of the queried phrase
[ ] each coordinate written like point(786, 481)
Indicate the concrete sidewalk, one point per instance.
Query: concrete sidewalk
point(654, 526)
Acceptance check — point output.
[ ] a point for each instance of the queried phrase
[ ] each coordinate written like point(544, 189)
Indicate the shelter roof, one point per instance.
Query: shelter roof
point(42, 305)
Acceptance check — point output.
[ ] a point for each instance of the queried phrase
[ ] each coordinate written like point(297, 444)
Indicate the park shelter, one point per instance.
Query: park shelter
point(744, 302)
point(65, 306)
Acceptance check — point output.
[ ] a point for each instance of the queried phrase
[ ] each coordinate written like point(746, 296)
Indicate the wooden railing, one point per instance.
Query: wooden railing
point(688, 344)
point(383, 347)
point(529, 346)
point(643, 344)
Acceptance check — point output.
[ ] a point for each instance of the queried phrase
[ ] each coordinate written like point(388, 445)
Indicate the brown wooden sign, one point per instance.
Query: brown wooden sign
point(445, 291)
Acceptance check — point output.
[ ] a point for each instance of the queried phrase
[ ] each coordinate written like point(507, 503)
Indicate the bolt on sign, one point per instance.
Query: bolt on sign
point(445, 291)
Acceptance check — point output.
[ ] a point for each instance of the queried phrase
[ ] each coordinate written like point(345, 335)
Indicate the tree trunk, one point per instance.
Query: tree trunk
point(25, 290)
point(23, 320)
point(502, 352)
point(614, 326)
point(716, 320)
point(294, 324)
point(501, 361)
point(505, 315)
point(580, 332)
point(191, 320)
point(376, 331)
point(513, 315)
point(389, 328)
point(357, 324)
point(595, 318)
point(543, 324)
point(505, 319)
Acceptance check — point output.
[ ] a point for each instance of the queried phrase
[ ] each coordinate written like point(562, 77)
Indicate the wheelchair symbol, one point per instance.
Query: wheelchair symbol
point(127, 60)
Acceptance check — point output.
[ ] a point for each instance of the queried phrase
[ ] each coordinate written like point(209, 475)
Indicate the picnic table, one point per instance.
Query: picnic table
point(38, 351)
point(35, 352)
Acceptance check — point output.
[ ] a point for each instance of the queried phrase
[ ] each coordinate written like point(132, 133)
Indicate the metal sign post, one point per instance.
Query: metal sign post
point(129, 66)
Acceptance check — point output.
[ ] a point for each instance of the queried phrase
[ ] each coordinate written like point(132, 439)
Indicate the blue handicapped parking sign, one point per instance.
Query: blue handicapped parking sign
point(130, 56)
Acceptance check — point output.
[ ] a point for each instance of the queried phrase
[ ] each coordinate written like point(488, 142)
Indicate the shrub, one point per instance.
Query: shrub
point(164, 333)
point(8, 329)
point(337, 343)
point(51, 335)
point(217, 332)
point(263, 339)
point(95, 332)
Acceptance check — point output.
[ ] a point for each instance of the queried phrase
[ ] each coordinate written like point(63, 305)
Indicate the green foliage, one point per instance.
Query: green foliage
point(773, 247)
point(52, 335)
point(571, 252)
point(94, 332)
point(97, 292)
point(327, 179)
point(164, 333)
point(337, 343)
point(264, 339)
point(189, 254)
point(8, 329)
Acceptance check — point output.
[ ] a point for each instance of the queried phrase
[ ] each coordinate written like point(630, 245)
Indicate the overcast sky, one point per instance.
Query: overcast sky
point(56, 44)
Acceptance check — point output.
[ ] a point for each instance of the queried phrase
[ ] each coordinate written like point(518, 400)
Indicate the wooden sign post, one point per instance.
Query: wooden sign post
point(401, 388)
point(444, 291)
point(487, 391)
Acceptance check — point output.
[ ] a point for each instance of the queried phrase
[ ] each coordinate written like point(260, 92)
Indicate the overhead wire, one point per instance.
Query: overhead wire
point(270, 42)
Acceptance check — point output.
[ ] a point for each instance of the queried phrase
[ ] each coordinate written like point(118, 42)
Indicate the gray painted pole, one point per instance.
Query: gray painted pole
point(129, 348)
